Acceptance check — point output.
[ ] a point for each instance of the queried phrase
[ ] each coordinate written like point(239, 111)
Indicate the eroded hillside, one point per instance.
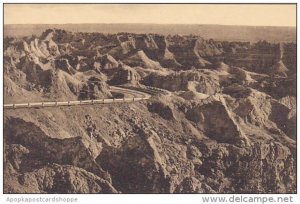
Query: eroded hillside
point(226, 122)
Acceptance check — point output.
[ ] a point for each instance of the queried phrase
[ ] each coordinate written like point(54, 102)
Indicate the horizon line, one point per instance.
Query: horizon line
point(152, 24)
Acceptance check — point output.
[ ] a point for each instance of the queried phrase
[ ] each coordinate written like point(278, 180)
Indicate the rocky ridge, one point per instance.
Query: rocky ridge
point(227, 126)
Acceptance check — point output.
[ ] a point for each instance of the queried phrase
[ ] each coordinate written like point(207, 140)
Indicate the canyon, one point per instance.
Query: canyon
point(223, 120)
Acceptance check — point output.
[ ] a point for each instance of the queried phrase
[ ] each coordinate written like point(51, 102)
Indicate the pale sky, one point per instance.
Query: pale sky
point(255, 15)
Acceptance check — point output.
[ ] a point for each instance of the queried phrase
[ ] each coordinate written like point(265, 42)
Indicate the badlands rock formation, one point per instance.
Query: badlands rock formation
point(226, 125)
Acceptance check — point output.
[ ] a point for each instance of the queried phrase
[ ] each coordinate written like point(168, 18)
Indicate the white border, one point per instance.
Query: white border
point(133, 198)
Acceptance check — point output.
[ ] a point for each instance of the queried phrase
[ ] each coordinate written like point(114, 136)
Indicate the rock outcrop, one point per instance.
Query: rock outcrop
point(224, 123)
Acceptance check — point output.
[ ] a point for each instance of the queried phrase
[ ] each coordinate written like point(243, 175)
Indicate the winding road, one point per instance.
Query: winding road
point(137, 95)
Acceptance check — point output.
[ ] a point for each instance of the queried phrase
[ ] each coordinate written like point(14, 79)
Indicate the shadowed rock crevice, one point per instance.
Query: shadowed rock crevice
point(136, 167)
point(25, 144)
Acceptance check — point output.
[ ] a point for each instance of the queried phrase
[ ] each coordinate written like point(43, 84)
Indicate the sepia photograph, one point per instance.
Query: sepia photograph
point(149, 98)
